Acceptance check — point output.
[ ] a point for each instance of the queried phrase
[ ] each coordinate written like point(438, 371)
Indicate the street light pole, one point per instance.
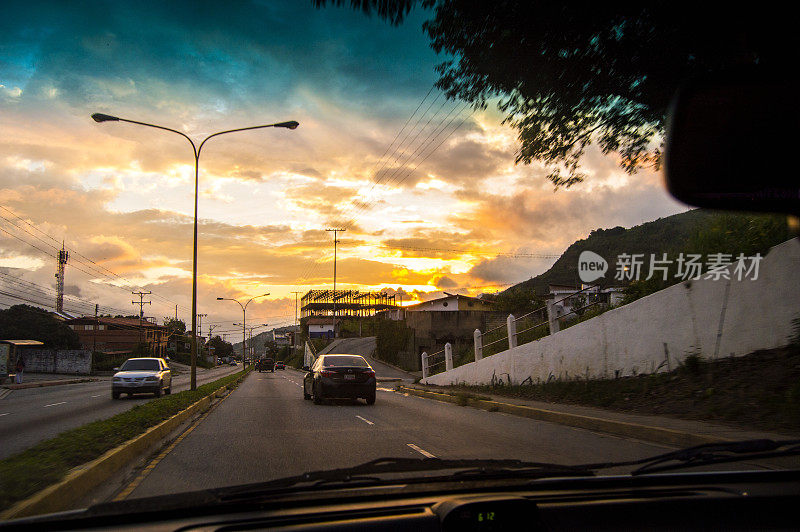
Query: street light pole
point(100, 117)
point(244, 320)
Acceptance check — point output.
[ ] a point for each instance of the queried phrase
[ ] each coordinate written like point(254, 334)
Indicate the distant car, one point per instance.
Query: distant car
point(266, 364)
point(142, 375)
point(280, 365)
point(232, 363)
point(340, 376)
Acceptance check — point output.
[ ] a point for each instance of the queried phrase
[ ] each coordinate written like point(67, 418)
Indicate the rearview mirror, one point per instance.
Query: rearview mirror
point(116, 369)
point(730, 143)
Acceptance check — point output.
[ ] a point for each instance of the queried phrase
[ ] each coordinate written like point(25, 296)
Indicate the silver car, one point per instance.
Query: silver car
point(142, 375)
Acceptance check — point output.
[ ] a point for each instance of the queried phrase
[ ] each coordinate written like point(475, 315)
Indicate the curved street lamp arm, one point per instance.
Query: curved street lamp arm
point(184, 135)
point(218, 133)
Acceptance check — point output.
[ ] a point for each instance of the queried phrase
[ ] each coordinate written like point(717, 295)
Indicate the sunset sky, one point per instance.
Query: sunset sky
point(121, 196)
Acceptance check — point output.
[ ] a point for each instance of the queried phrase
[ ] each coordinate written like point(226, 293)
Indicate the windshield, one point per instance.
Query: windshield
point(143, 365)
point(345, 361)
point(466, 197)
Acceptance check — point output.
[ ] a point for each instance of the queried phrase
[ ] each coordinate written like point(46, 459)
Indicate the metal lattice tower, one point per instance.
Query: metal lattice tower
point(63, 257)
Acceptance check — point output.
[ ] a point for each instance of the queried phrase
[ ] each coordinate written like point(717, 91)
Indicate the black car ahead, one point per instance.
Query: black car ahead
point(340, 376)
point(266, 364)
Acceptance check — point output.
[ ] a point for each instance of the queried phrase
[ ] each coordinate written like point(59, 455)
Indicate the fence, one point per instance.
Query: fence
point(442, 361)
point(529, 327)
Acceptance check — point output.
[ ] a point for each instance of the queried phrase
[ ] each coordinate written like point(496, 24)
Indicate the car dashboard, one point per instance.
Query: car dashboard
point(732, 501)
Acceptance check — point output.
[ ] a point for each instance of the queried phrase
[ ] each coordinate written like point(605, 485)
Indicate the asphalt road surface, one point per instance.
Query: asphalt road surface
point(265, 430)
point(31, 415)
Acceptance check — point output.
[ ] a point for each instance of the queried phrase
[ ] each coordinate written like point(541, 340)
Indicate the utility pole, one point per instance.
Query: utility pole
point(200, 324)
point(200, 328)
point(335, 242)
point(141, 304)
point(63, 257)
point(94, 336)
point(295, 319)
point(176, 312)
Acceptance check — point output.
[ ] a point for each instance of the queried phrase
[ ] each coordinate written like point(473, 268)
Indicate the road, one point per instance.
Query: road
point(265, 430)
point(32, 415)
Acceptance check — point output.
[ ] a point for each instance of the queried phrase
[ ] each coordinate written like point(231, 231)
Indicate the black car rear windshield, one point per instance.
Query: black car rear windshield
point(141, 365)
point(345, 361)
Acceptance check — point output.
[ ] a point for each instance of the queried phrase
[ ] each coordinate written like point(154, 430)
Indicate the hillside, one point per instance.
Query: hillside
point(696, 231)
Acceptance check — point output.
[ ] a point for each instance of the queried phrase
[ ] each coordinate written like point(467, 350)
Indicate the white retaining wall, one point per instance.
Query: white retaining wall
point(685, 318)
point(67, 361)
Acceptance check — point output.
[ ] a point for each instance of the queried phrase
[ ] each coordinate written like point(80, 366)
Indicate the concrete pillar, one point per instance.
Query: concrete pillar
point(448, 356)
point(511, 325)
point(552, 319)
point(424, 357)
point(478, 344)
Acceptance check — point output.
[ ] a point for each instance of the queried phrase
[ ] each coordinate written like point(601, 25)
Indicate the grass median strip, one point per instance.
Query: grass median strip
point(48, 462)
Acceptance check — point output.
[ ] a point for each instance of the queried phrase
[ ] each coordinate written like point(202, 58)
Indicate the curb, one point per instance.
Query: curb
point(660, 435)
point(42, 384)
point(81, 479)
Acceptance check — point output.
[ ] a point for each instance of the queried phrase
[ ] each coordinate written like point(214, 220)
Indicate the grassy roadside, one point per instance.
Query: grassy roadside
point(46, 463)
point(759, 391)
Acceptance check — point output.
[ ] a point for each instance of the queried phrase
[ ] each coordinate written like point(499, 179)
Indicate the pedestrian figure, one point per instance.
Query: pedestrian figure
point(20, 367)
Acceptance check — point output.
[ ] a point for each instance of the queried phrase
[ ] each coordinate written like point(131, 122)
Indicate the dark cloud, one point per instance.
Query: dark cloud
point(444, 282)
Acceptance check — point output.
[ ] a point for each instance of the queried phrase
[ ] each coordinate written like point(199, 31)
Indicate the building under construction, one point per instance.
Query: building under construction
point(346, 303)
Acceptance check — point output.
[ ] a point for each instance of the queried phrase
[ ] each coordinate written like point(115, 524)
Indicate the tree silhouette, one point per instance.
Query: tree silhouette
point(567, 75)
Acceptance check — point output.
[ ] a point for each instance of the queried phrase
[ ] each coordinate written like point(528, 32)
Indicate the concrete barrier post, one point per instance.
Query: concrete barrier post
point(552, 319)
point(478, 344)
point(448, 356)
point(511, 325)
point(424, 357)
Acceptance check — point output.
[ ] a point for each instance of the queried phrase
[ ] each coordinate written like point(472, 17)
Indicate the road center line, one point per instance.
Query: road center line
point(5, 414)
point(423, 452)
point(367, 421)
point(55, 404)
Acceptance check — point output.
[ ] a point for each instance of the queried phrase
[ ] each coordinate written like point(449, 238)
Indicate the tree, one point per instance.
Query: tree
point(221, 347)
point(567, 75)
point(174, 325)
point(24, 322)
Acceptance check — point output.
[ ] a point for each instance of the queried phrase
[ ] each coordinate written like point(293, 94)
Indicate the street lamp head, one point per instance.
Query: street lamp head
point(100, 117)
point(220, 298)
point(288, 125)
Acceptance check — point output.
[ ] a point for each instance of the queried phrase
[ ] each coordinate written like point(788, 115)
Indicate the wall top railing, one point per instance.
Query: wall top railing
point(512, 334)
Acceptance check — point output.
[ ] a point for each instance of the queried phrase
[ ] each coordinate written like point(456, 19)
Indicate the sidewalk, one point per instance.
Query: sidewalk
point(658, 429)
point(37, 380)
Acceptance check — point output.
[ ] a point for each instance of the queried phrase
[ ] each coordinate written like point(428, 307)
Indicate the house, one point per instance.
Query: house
point(105, 334)
point(567, 299)
point(451, 303)
point(321, 327)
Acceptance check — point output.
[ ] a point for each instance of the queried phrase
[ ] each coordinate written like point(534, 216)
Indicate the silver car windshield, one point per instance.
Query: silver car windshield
point(140, 365)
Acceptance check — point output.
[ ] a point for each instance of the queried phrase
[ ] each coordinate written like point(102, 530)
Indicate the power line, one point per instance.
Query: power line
point(85, 261)
point(474, 252)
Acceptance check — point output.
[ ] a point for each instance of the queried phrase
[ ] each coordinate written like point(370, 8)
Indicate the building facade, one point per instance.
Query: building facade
point(119, 335)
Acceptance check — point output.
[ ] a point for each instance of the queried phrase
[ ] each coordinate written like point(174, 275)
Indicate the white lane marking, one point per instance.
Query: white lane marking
point(423, 452)
point(367, 421)
point(5, 414)
point(55, 404)
point(95, 396)
point(290, 380)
